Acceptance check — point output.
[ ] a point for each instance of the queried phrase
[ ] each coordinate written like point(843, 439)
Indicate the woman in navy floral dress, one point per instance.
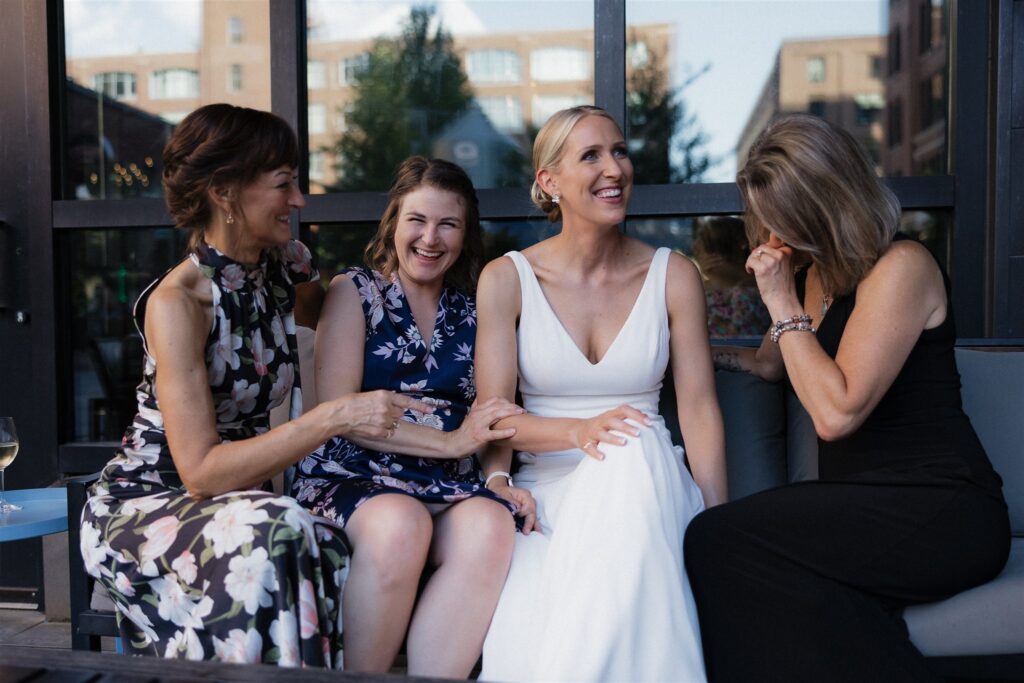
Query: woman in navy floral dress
point(415, 496)
point(199, 562)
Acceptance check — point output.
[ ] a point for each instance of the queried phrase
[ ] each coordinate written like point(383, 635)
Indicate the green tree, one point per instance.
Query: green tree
point(667, 143)
point(412, 87)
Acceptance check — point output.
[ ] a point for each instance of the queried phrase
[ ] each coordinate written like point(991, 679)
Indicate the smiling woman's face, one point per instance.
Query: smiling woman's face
point(594, 178)
point(429, 233)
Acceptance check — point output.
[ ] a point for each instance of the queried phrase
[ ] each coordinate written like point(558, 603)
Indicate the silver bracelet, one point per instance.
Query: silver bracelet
point(798, 323)
point(499, 473)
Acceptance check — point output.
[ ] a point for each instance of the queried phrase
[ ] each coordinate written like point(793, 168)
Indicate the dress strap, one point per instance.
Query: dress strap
point(528, 285)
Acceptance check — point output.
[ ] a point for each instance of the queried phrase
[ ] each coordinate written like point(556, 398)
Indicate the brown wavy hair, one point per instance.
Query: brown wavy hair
point(812, 185)
point(549, 147)
point(414, 172)
point(224, 146)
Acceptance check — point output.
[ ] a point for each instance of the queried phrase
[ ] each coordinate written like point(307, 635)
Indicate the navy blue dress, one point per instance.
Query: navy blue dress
point(340, 476)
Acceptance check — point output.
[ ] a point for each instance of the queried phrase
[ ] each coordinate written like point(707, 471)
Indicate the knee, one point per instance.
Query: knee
point(484, 536)
point(393, 542)
point(704, 540)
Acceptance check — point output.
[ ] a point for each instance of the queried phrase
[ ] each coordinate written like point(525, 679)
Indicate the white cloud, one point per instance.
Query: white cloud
point(122, 27)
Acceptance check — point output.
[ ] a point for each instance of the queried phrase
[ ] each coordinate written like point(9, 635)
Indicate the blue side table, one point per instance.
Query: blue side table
point(43, 511)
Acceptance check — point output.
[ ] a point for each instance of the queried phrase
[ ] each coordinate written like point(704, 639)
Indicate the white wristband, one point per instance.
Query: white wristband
point(499, 473)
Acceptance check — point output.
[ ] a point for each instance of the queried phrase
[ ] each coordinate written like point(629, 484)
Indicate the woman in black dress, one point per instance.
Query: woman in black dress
point(807, 582)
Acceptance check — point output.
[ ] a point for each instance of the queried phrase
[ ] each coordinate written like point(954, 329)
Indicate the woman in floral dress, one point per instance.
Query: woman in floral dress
point(199, 562)
point(415, 496)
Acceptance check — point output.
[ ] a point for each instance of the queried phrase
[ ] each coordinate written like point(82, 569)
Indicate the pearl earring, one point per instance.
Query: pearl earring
point(556, 199)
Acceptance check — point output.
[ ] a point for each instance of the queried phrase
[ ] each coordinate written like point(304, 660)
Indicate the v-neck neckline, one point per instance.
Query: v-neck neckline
point(428, 344)
point(565, 331)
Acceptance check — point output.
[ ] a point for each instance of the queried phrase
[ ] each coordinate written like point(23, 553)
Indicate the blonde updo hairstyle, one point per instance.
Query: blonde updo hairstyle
point(812, 185)
point(549, 147)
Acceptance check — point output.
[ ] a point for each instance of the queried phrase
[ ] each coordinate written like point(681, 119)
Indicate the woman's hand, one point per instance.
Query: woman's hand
point(522, 499)
point(772, 267)
point(587, 434)
point(476, 430)
point(371, 414)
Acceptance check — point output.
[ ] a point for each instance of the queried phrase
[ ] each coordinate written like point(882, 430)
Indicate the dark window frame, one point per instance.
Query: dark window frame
point(963, 193)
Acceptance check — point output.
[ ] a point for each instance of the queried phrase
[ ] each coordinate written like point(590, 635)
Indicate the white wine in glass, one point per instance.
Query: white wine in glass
point(8, 449)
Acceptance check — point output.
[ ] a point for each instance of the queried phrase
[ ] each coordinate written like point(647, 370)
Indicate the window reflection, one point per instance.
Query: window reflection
point(133, 75)
point(465, 80)
point(877, 68)
point(108, 270)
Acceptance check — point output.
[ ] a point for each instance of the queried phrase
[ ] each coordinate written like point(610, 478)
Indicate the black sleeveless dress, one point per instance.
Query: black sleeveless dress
point(807, 582)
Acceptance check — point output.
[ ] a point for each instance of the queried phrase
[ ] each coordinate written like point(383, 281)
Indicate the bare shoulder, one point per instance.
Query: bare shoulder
point(682, 273)
point(342, 286)
point(498, 284)
point(905, 262)
point(182, 302)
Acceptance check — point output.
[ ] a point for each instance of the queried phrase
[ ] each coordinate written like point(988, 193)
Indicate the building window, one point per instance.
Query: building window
point(895, 51)
point(815, 69)
point(235, 78)
point(637, 54)
point(875, 66)
point(546, 105)
point(560, 64)
point(924, 17)
point(932, 101)
point(816, 108)
point(317, 116)
point(317, 165)
point(492, 66)
point(234, 30)
point(316, 75)
point(505, 113)
point(118, 85)
point(351, 68)
point(869, 105)
point(895, 123)
point(170, 84)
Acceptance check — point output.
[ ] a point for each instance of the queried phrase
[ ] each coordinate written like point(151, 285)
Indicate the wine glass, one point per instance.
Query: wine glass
point(8, 449)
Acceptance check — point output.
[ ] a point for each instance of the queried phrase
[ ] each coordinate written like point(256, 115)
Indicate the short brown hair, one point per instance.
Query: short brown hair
point(549, 147)
point(220, 145)
point(414, 172)
point(811, 184)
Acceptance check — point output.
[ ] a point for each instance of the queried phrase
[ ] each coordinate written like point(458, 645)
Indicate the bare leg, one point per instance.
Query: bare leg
point(472, 549)
point(390, 536)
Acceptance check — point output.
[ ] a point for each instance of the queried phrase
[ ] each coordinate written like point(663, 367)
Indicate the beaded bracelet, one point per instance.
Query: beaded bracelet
point(798, 323)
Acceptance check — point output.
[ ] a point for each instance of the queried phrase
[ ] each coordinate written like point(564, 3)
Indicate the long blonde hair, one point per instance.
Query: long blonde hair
point(549, 147)
point(812, 185)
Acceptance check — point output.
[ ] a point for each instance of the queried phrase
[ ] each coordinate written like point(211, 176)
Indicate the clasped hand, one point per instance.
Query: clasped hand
point(608, 427)
point(478, 427)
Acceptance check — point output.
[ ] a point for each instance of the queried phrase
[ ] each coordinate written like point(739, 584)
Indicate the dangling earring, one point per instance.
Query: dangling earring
point(555, 199)
point(230, 220)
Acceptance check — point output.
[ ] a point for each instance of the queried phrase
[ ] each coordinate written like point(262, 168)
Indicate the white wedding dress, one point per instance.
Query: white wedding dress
point(602, 594)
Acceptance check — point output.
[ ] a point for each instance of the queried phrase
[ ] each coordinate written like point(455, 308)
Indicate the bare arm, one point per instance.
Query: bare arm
point(901, 296)
point(340, 349)
point(498, 306)
point(700, 417)
point(764, 361)
point(177, 326)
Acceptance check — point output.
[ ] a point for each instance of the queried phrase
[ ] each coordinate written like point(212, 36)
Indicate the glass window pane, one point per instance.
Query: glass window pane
point(108, 270)
point(465, 80)
point(133, 75)
point(695, 102)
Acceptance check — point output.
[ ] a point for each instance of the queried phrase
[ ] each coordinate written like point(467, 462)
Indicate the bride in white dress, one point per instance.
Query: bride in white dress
point(586, 322)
